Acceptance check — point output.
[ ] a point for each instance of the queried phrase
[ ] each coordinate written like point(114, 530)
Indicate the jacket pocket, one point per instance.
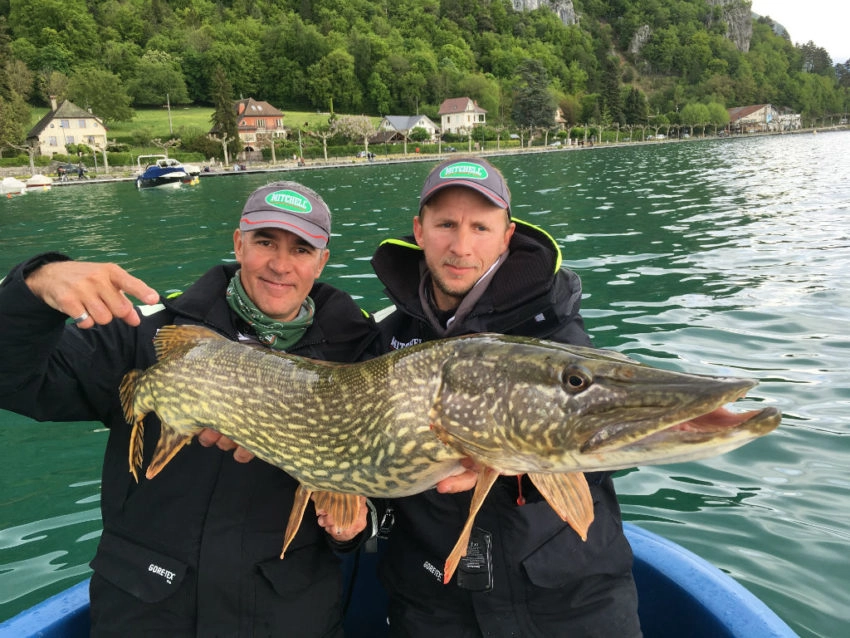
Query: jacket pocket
point(146, 574)
point(302, 569)
point(565, 559)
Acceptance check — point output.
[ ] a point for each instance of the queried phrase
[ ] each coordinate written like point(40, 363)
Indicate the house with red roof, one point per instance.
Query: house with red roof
point(762, 118)
point(258, 122)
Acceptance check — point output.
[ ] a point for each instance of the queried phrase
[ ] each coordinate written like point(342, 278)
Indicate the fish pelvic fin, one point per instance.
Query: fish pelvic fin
point(170, 443)
point(342, 508)
point(137, 448)
point(485, 481)
point(127, 394)
point(302, 497)
point(569, 496)
point(172, 339)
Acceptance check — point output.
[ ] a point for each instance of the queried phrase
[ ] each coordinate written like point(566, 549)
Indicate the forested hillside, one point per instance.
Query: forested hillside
point(622, 61)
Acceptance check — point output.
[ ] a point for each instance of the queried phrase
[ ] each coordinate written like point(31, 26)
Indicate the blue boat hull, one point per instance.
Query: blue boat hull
point(681, 595)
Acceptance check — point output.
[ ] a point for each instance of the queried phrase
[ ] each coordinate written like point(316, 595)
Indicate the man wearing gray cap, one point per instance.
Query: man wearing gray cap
point(194, 551)
point(471, 267)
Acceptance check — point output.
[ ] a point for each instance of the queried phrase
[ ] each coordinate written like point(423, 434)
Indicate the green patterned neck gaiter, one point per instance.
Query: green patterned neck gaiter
point(278, 335)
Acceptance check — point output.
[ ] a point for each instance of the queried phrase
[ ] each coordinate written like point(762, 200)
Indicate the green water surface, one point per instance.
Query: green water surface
point(718, 257)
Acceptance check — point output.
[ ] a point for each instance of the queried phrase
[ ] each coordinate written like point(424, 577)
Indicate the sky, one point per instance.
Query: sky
point(824, 22)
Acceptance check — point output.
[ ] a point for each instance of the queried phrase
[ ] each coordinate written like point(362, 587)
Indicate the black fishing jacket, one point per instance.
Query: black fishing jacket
point(532, 576)
point(194, 551)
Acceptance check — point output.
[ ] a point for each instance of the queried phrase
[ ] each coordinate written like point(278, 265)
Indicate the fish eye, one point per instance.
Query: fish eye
point(575, 379)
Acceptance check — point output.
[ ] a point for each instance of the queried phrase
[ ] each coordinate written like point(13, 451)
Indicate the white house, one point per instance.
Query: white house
point(405, 123)
point(460, 115)
point(66, 124)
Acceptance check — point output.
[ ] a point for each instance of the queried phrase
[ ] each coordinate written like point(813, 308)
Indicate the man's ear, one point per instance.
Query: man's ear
point(237, 244)
point(417, 229)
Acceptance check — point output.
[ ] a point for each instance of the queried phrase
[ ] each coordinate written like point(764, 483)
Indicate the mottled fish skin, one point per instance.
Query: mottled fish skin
point(396, 425)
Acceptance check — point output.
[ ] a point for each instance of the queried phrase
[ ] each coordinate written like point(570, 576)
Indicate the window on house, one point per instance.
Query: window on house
point(81, 123)
point(69, 139)
point(52, 141)
point(261, 123)
point(64, 124)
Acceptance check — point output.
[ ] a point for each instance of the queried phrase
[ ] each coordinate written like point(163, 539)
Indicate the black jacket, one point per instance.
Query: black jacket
point(546, 582)
point(195, 550)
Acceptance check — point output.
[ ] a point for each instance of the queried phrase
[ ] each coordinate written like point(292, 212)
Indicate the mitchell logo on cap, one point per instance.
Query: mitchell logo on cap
point(289, 201)
point(464, 170)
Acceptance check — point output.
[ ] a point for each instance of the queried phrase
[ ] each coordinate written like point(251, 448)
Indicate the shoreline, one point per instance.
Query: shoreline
point(128, 174)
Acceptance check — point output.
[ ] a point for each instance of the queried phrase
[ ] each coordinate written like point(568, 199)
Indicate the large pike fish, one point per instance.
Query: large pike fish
point(396, 425)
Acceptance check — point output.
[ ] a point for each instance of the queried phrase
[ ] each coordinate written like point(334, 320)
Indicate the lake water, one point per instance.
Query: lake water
point(720, 257)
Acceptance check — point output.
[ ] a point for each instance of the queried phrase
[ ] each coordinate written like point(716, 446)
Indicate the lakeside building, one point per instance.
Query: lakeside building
point(394, 128)
point(65, 124)
point(460, 115)
point(762, 118)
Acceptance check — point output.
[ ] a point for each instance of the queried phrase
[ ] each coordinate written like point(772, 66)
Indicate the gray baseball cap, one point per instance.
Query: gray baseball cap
point(289, 206)
point(469, 172)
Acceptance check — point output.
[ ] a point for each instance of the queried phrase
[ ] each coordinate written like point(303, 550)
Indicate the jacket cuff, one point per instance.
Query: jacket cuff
point(31, 265)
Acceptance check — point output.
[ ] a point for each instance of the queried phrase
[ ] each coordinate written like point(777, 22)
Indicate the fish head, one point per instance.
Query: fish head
point(522, 405)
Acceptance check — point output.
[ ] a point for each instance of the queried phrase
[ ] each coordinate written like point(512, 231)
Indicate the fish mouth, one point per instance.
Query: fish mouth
point(705, 425)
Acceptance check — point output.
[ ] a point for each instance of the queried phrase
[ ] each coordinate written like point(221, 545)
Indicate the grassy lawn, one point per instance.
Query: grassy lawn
point(187, 118)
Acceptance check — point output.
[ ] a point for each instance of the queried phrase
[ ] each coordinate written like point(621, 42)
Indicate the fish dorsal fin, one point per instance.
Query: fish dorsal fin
point(169, 444)
point(342, 508)
point(173, 339)
point(486, 478)
point(302, 497)
point(569, 496)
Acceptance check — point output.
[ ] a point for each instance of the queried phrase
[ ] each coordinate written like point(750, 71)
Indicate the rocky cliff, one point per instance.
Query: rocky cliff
point(564, 9)
point(738, 17)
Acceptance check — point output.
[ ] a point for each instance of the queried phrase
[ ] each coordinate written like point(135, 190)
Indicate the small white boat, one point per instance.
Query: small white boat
point(39, 182)
point(12, 186)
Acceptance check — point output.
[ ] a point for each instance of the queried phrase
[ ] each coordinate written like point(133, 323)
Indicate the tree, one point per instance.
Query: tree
point(324, 132)
point(356, 128)
point(695, 114)
point(533, 107)
point(102, 93)
point(635, 107)
point(158, 75)
point(718, 116)
point(224, 116)
point(333, 79)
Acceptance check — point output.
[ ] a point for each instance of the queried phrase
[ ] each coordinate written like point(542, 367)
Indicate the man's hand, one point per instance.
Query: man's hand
point(327, 523)
point(209, 438)
point(97, 292)
point(460, 482)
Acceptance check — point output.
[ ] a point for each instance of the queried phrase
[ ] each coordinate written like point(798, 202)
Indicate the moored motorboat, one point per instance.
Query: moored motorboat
point(679, 594)
point(162, 172)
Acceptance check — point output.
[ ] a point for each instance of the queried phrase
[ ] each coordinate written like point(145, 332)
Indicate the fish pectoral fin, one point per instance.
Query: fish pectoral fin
point(342, 508)
point(170, 443)
point(137, 448)
point(569, 496)
point(485, 481)
point(175, 339)
point(302, 497)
